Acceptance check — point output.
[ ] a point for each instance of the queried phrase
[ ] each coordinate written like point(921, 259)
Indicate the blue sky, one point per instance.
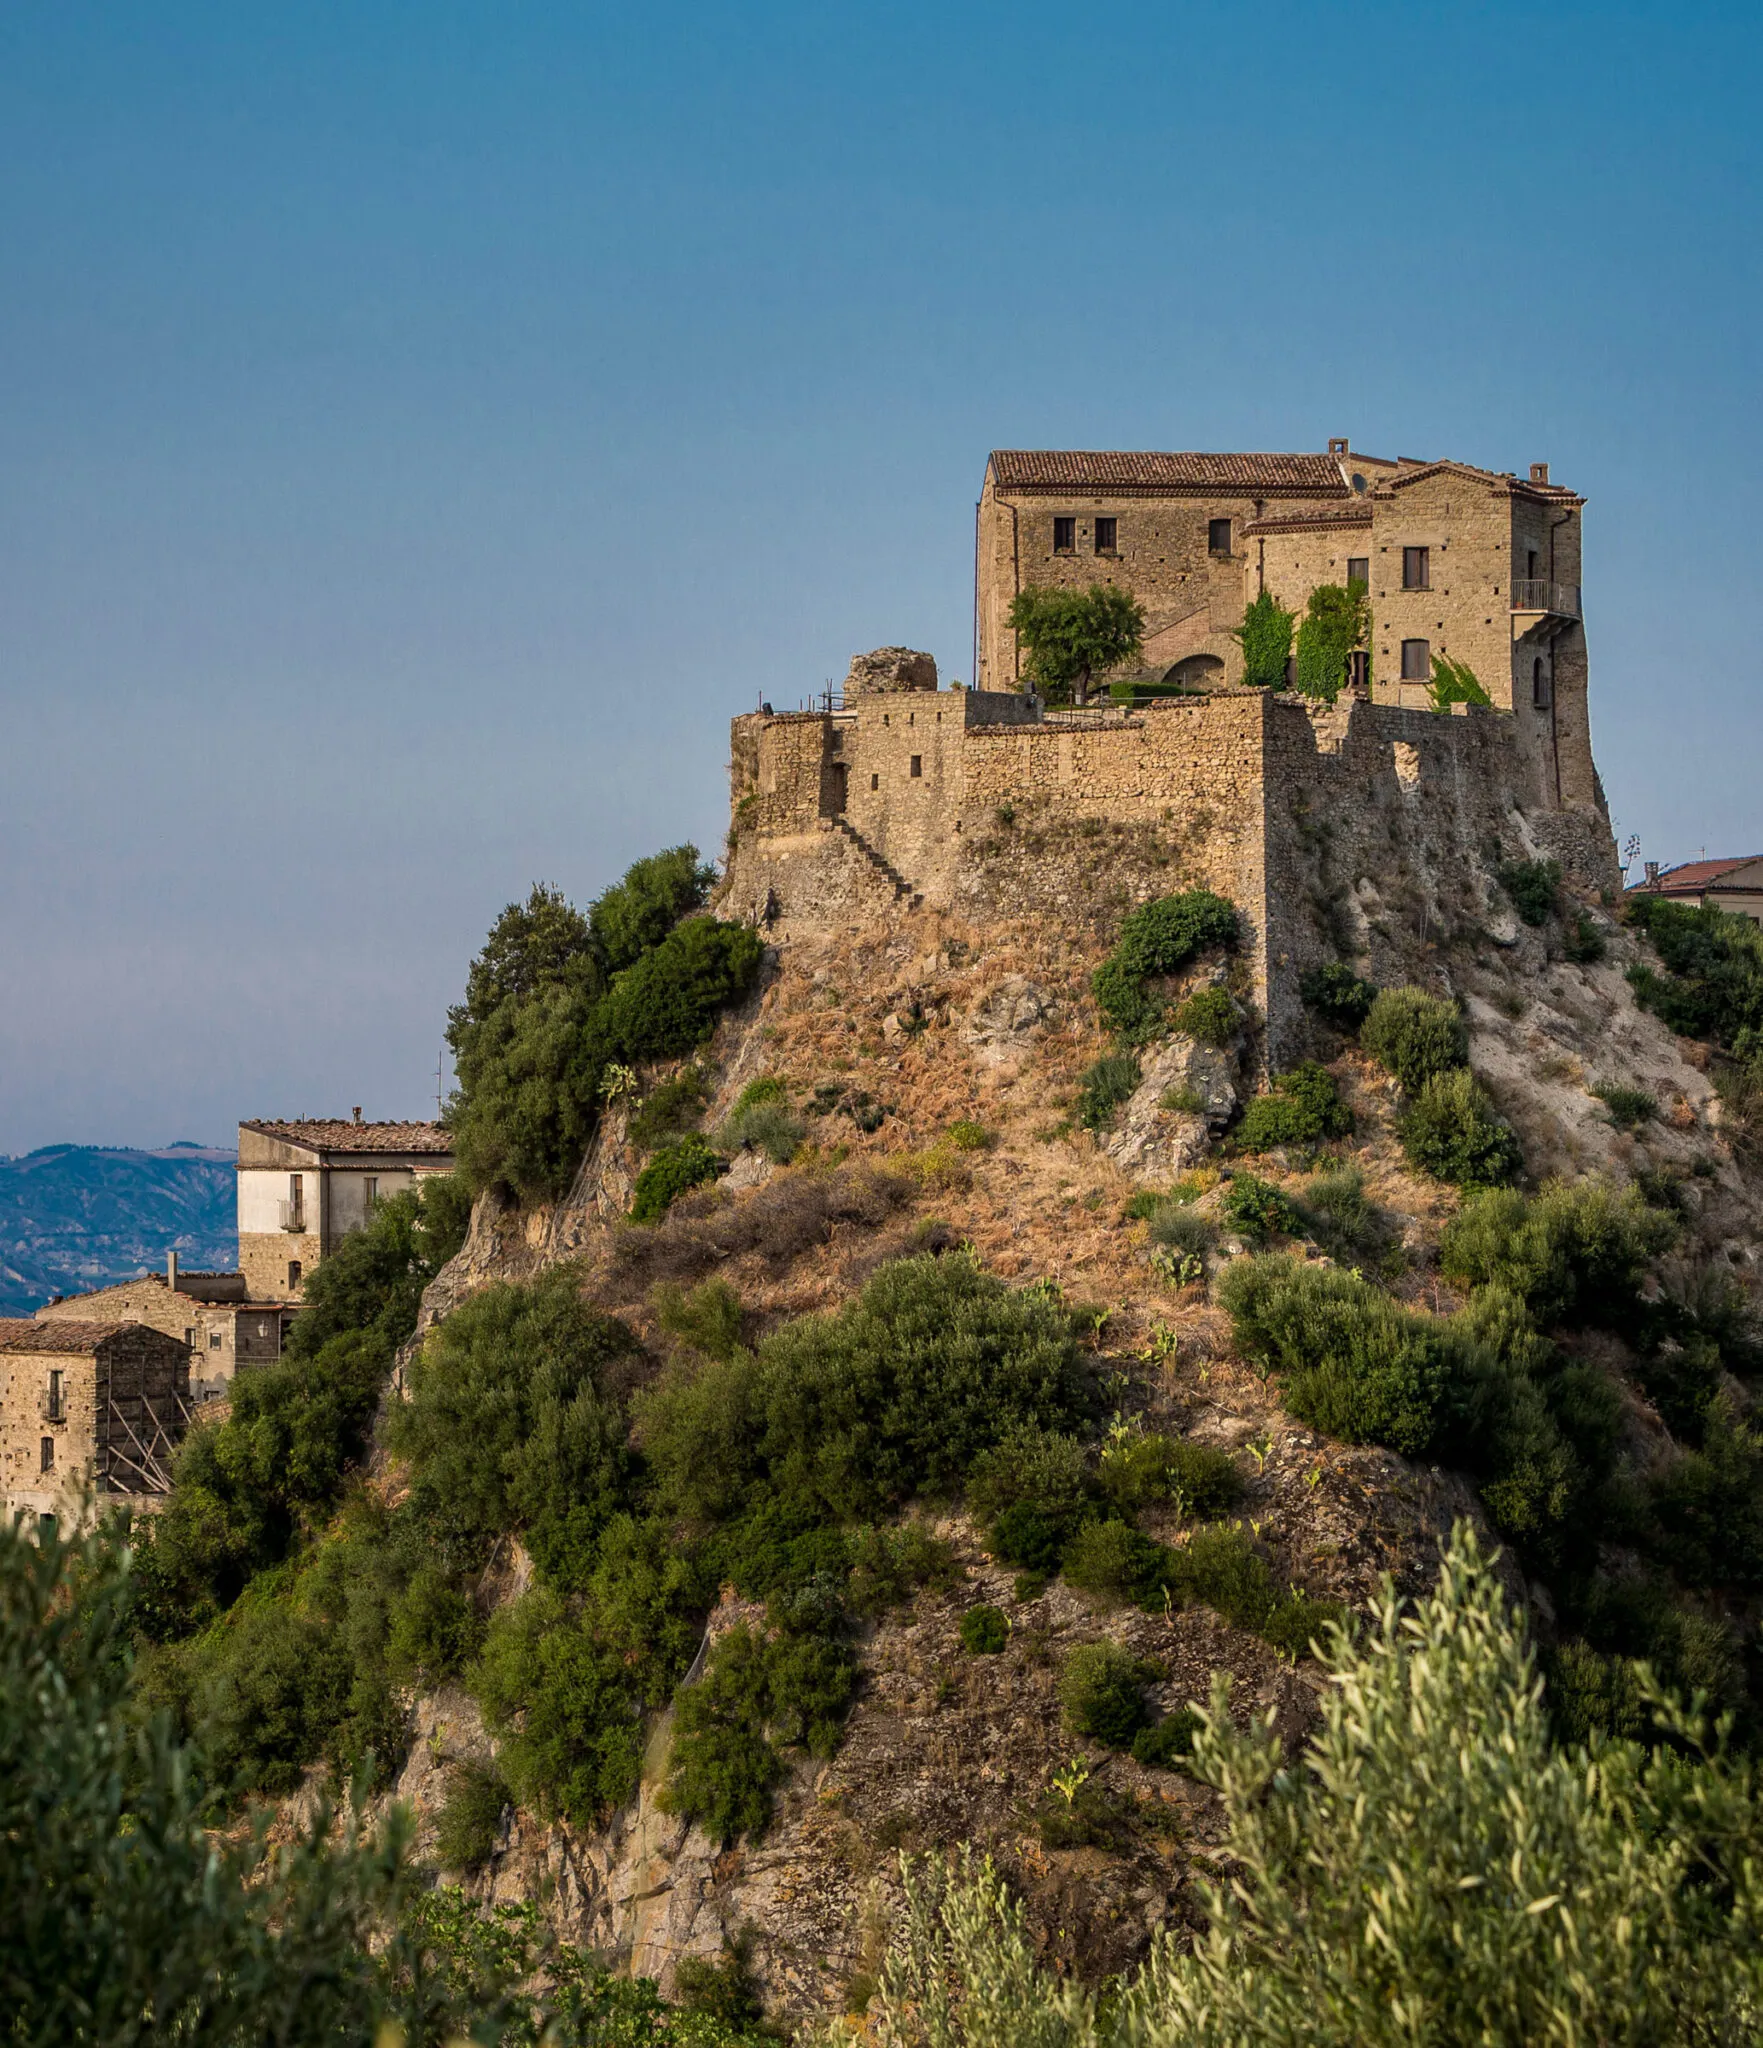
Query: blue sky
point(422, 426)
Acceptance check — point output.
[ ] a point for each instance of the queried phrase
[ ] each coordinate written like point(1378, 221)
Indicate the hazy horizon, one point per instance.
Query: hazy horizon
point(422, 429)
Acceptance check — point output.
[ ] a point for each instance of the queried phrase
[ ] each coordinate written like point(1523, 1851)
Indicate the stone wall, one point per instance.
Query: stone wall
point(1326, 827)
point(133, 1379)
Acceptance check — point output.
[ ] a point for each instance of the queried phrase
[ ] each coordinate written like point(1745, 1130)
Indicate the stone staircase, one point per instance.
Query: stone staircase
point(903, 889)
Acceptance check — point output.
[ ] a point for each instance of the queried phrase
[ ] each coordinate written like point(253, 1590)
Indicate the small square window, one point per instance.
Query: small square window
point(1107, 532)
point(1416, 661)
point(1359, 569)
point(1065, 536)
point(1417, 568)
point(917, 767)
point(1218, 536)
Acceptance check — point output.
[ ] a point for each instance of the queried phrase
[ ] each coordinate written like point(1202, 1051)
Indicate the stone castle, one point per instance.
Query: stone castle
point(1347, 828)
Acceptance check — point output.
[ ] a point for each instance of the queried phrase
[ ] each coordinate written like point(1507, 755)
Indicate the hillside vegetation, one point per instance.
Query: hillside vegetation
point(912, 1460)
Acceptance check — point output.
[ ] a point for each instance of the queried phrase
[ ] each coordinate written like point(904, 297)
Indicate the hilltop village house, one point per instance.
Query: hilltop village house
point(209, 1313)
point(305, 1184)
point(1734, 884)
point(88, 1405)
point(1334, 829)
point(1474, 564)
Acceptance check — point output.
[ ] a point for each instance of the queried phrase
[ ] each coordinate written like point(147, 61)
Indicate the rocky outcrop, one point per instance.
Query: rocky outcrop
point(1187, 1097)
point(890, 668)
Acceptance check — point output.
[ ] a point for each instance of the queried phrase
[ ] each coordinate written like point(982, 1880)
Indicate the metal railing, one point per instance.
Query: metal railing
point(1536, 594)
point(293, 1215)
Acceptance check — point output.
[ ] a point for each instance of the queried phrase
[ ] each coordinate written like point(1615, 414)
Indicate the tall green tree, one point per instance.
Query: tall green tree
point(1074, 636)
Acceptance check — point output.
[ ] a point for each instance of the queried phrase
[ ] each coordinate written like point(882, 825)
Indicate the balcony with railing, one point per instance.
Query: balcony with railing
point(1535, 594)
point(293, 1216)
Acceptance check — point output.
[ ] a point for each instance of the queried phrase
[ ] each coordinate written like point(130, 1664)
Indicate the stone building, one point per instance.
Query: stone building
point(88, 1405)
point(210, 1313)
point(1477, 565)
point(305, 1184)
point(1734, 884)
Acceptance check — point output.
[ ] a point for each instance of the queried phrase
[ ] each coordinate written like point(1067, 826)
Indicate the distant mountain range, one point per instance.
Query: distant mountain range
point(74, 1217)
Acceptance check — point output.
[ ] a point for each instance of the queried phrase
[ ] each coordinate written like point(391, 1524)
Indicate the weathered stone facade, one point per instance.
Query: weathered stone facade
point(88, 1404)
point(208, 1312)
point(1320, 825)
point(1495, 582)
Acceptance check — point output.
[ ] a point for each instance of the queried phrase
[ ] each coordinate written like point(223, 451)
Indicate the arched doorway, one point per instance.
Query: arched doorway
point(1196, 672)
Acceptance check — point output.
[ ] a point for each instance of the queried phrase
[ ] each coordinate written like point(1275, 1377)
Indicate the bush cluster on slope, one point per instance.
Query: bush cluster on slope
point(556, 997)
point(1157, 939)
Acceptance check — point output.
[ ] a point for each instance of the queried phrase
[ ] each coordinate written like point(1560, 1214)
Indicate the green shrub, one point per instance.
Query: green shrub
point(1628, 1107)
point(1182, 1101)
point(889, 1566)
point(1304, 1108)
point(1337, 619)
point(1208, 1016)
point(1157, 939)
point(509, 1424)
point(669, 1111)
point(1102, 1693)
point(1220, 1568)
point(1356, 1364)
point(1258, 1210)
point(1533, 886)
point(1584, 943)
point(1574, 1253)
point(1414, 1036)
point(1711, 983)
point(1046, 1469)
point(1340, 1218)
point(767, 1126)
point(1708, 1507)
point(896, 1393)
point(1166, 1743)
point(1112, 1561)
point(709, 1317)
point(1201, 1478)
point(1025, 1537)
point(762, 1088)
point(667, 1002)
point(637, 913)
point(1105, 1087)
point(1181, 1228)
point(528, 1097)
point(1265, 636)
point(984, 1631)
point(1338, 994)
point(1454, 682)
point(687, 1163)
point(471, 1816)
point(1450, 1129)
point(967, 1136)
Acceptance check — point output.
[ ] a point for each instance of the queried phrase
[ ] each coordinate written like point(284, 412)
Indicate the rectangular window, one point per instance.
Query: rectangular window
point(1359, 569)
point(917, 767)
point(1417, 661)
point(296, 1201)
point(1106, 530)
point(190, 1339)
point(1530, 563)
point(293, 1274)
point(875, 782)
point(46, 1455)
point(1417, 568)
point(1218, 536)
point(1065, 536)
point(55, 1397)
point(373, 1190)
point(214, 1340)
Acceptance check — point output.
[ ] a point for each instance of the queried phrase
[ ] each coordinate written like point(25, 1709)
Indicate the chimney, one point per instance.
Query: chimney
point(1652, 874)
point(171, 1271)
point(1338, 446)
point(1539, 472)
point(358, 1112)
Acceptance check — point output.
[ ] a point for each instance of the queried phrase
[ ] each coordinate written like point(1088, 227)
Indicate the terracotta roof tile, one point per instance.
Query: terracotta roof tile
point(1321, 520)
point(1413, 473)
point(1149, 474)
point(342, 1134)
point(1693, 874)
point(19, 1333)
